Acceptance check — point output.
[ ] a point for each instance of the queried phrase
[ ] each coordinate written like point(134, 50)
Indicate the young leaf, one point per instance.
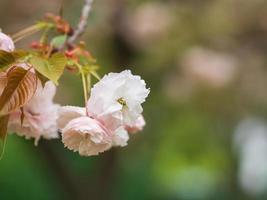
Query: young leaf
point(9, 58)
point(41, 65)
point(58, 61)
point(42, 78)
point(51, 68)
point(21, 86)
point(6, 59)
point(58, 41)
point(3, 133)
point(19, 54)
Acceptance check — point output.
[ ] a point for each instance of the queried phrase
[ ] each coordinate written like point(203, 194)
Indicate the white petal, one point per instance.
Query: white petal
point(138, 125)
point(6, 43)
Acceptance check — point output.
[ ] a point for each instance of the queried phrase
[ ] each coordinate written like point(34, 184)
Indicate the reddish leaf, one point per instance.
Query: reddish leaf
point(21, 86)
point(3, 133)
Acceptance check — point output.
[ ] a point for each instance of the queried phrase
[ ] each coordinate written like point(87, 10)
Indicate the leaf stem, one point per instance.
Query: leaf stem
point(44, 35)
point(30, 30)
point(88, 78)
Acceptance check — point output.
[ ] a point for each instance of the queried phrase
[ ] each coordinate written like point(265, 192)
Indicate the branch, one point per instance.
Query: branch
point(83, 22)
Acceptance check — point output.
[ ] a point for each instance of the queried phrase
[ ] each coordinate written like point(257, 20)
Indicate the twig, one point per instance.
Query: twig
point(83, 22)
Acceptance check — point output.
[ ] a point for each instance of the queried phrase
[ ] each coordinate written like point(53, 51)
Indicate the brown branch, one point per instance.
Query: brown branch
point(83, 22)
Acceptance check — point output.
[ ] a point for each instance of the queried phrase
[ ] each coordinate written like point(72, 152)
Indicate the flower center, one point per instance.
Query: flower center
point(122, 102)
point(86, 136)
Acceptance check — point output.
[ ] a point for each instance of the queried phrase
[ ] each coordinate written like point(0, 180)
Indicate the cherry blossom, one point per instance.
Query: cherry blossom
point(113, 109)
point(86, 135)
point(40, 115)
point(118, 97)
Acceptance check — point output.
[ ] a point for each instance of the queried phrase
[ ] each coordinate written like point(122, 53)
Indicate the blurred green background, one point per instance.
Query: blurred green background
point(205, 138)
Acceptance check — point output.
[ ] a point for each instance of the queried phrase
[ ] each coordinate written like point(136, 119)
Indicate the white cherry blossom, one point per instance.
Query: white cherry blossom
point(118, 97)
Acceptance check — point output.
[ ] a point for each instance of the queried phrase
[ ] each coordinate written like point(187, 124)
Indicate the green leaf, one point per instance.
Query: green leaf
point(52, 68)
point(21, 86)
point(42, 78)
point(58, 62)
point(9, 58)
point(41, 65)
point(6, 59)
point(3, 133)
point(85, 60)
point(58, 41)
point(20, 54)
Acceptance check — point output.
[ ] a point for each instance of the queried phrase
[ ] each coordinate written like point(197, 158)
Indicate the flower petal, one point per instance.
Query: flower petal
point(68, 113)
point(120, 137)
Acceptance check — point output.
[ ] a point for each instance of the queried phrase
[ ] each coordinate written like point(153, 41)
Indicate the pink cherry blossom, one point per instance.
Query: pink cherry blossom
point(114, 136)
point(6, 43)
point(86, 135)
point(207, 66)
point(113, 108)
point(138, 126)
point(81, 133)
point(40, 115)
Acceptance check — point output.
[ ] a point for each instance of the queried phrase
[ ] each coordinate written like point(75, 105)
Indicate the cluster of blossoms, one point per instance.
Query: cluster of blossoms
point(112, 111)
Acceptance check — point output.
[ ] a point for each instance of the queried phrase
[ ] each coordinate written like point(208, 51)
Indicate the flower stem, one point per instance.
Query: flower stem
point(84, 82)
point(85, 89)
point(44, 35)
point(88, 80)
